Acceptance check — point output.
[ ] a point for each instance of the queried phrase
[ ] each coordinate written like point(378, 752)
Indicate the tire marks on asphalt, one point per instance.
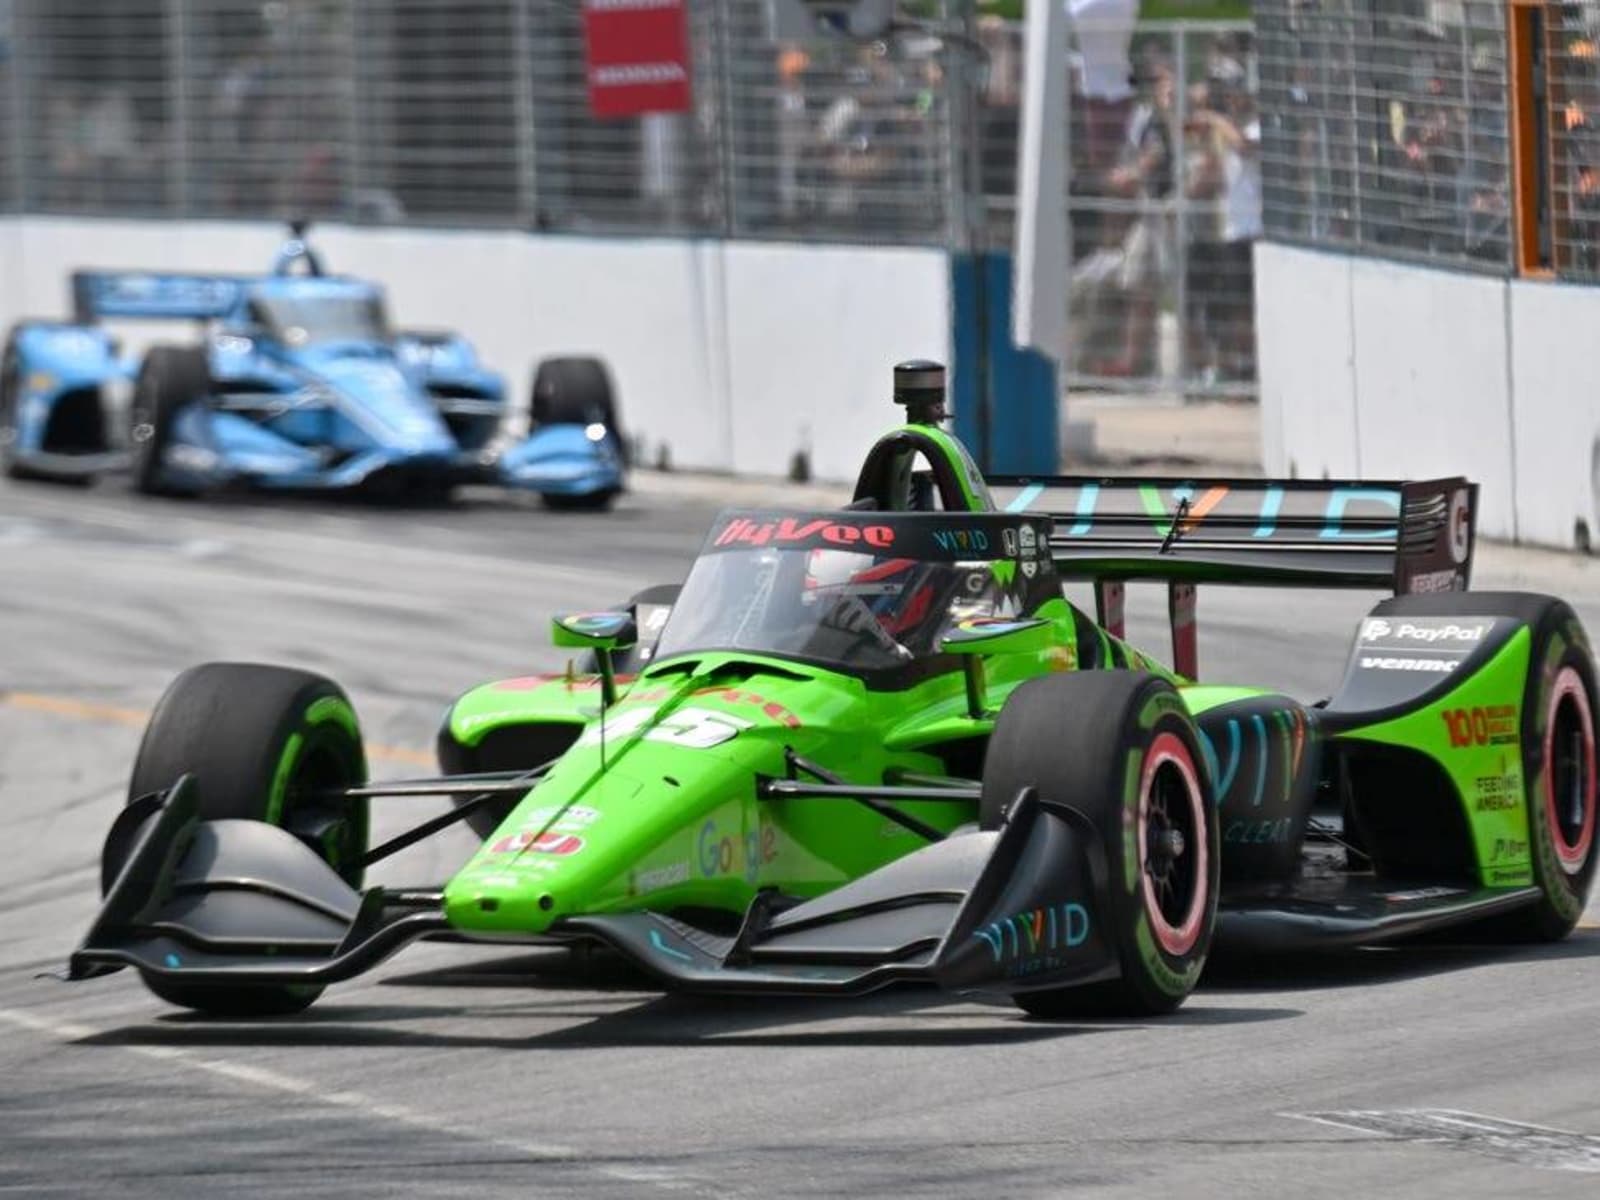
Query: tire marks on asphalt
point(1509, 1141)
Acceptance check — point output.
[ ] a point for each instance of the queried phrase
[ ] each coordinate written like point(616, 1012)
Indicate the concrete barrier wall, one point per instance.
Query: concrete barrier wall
point(1555, 354)
point(728, 356)
point(1308, 390)
point(1436, 372)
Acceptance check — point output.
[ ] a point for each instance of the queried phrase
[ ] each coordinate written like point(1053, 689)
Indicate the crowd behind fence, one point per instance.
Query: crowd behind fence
point(476, 112)
point(1389, 130)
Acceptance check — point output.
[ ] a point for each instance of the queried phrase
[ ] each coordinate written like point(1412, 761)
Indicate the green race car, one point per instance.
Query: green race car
point(878, 744)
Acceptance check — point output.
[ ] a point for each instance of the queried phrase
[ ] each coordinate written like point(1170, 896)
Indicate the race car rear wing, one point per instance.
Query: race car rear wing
point(152, 295)
point(1405, 536)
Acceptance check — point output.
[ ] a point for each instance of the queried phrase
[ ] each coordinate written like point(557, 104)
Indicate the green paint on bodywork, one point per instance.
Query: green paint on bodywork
point(669, 816)
point(1499, 835)
point(561, 699)
point(973, 488)
point(1202, 698)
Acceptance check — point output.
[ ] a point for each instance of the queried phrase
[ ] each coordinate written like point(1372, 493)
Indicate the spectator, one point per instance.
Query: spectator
point(1105, 97)
point(1128, 270)
point(1236, 128)
point(1202, 189)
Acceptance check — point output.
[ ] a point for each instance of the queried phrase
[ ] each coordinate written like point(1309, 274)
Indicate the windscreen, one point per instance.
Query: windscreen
point(303, 320)
point(861, 608)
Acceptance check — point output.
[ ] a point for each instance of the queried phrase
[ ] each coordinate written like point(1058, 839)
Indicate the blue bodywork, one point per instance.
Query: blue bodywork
point(309, 390)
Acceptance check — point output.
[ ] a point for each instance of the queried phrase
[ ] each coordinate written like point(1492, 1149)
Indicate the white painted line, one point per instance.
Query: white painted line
point(1537, 1146)
point(356, 1102)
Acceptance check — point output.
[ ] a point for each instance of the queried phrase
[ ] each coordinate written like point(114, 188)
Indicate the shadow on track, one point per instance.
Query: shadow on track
point(1377, 965)
point(905, 1016)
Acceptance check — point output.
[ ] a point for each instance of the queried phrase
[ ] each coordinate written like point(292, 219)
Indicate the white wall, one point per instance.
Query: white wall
point(1431, 381)
point(731, 355)
point(1308, 388)
point(1555, 343)
point(1376, 369)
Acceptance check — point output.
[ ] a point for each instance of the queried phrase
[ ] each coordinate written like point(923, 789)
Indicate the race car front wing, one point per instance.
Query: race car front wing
point(242, 902)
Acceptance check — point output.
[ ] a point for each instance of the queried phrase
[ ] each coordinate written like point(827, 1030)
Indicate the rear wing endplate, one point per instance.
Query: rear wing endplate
point(1402, 536)
point(152, 295)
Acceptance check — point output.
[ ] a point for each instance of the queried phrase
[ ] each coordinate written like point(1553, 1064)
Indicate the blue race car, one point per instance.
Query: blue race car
point(297, 383)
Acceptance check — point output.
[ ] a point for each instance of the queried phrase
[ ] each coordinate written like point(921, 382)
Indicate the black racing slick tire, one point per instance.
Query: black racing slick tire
point(257, 741)
point(1120, 747)
point(170, 379)
point(508, 748)
point(572, 391)
point(10, 400)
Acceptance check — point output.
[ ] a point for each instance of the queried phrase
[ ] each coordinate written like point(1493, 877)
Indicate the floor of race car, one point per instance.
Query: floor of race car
point(458, 1071)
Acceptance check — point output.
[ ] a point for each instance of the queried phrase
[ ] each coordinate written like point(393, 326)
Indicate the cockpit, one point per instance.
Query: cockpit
point(861, 591)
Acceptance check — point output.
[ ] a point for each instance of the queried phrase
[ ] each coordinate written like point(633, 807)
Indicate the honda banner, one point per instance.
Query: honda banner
point(638, 52)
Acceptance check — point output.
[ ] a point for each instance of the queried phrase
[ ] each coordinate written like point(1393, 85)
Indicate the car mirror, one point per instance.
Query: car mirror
point(602, 632)
point(997, 635)
point(978, 636)
point(595, 631)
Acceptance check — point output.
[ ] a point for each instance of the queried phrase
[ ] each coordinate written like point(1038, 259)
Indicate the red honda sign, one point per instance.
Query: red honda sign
point(638, 54)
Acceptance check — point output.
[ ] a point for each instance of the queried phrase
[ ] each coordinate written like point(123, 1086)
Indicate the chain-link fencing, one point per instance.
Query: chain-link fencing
point(1388, 129)
point(477, 112)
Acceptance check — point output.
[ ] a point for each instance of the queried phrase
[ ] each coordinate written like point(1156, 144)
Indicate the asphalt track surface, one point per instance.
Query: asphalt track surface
point(466, 1071)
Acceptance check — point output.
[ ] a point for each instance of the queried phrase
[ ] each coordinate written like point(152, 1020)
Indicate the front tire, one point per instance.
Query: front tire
point(170, 379)
point(10, 401)
point(257, 740)
point(1120, 747)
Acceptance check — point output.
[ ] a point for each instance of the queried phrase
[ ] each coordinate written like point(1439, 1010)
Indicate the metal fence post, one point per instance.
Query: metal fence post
point(725, 171)
point(522, 83)
point(1181, 224)
point(355, 167)
point(177, 38)
point(19, 108)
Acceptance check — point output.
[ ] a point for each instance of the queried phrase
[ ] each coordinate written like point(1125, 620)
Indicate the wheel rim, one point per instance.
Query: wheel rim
point(1173, 854)
point(1569, 775)
point(334, 829)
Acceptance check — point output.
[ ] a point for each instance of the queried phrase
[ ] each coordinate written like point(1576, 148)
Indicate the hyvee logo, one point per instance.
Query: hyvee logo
point(744, 531)
point(1437, 666)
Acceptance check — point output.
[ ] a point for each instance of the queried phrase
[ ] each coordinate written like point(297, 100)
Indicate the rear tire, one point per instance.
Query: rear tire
point(1121, 748)
point(1559, 766)
point(10, 398)
point(170, 379)
point(255, 738)
point(516, 748)
point(572, 391)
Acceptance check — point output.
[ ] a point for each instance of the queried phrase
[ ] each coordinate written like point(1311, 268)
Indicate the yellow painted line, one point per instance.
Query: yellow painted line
point(111, 714)
point(79, 710)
